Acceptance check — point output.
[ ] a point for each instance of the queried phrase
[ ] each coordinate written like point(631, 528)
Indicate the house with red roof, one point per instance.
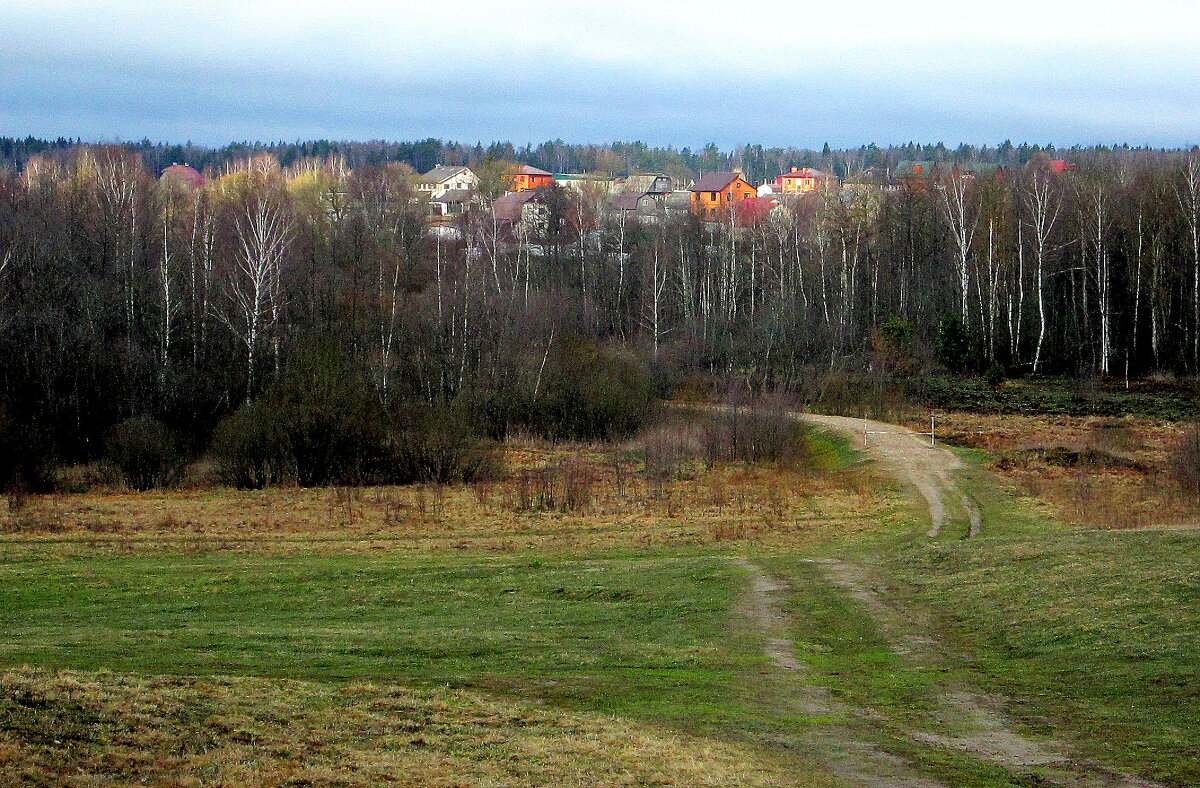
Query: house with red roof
point(716, 193)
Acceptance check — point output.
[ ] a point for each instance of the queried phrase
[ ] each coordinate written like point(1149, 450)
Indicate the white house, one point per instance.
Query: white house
point(444, 178)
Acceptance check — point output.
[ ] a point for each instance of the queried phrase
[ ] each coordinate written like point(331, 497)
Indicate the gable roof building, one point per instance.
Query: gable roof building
point(444, 178)
point(716, 193)
point(525, 177)
point(803, 180)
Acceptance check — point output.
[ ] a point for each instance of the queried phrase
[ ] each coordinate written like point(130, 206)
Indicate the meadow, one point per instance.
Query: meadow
point(582, 620)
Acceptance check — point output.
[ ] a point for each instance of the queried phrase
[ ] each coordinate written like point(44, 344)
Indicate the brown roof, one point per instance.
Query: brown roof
point(508, 208)
point(627, 201)
point(715, 181)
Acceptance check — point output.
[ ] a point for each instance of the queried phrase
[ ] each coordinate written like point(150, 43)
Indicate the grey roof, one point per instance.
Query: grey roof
point(442, 173)
point(627, 201)
point(644, 181)
point(715, 181)
point(455, 196)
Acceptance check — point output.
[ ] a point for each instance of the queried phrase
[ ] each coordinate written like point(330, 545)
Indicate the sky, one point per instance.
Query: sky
point(668, 73)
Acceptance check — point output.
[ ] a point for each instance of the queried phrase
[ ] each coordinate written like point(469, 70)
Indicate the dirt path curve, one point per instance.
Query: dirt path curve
point(909, 457)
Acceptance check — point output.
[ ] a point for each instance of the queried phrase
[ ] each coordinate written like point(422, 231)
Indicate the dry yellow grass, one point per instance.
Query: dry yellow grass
point(1121, 482)
point(103, 730)
point(614, 506)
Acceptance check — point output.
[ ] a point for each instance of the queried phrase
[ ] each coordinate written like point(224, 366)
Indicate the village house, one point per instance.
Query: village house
point(583, 182)
point(443, 178)
point(451, 203)
point(643, 195)
point(715, 194)
point(524, 177)
point(522, 213)
point(802, 180)
point(753, 211)
point(917, 175)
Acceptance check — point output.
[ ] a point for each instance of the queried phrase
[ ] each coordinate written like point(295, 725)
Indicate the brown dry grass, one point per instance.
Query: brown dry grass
point(600, 499)
point(1119, 481)
point(103, 730)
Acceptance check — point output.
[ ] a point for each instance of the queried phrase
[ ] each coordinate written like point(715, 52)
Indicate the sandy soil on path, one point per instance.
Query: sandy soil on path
point(908, 456)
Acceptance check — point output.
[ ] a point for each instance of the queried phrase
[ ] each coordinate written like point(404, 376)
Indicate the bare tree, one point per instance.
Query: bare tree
point(262, 230)
point(1187, 193)
point(962, 217)
point(1042, 206)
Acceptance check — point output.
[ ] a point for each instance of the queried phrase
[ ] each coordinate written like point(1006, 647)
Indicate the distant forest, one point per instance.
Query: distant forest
point(619, 158)
point(299, 299)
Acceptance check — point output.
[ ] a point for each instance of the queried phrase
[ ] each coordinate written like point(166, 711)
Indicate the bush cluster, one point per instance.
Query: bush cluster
point(589, 393)
point(143, 453)
point(322, 424)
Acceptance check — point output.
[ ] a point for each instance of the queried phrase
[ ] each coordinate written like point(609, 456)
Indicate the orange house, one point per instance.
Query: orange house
point(802, 180)
point(715, 194)
point(525, 177)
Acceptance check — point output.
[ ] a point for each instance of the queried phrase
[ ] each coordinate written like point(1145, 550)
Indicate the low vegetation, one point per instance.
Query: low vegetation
point(106, 729)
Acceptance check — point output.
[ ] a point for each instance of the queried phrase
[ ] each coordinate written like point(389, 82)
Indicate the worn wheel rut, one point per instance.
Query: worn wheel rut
point(843, 753)
point(976, 722)
point(979, 724)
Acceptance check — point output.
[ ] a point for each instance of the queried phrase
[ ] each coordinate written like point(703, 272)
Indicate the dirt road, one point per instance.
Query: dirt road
point(909, 457)
point(968, 721)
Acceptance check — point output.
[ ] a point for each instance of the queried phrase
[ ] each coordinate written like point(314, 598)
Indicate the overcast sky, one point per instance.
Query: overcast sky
point(681, 73)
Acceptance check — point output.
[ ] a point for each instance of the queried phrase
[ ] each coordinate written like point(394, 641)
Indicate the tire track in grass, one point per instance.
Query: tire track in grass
point(977, 721)
point(845, 754)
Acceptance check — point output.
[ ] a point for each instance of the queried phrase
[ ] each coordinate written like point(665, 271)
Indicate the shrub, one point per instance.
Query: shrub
point(957, 348)
point(143, 453)
point(590, 394)
point(322, 425)
point(438, 444)
point(995, 375)
point(761, 430)
point(252, 448)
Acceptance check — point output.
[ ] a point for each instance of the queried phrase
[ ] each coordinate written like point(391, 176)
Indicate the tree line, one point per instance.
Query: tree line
point(307, 305)
point(618, 158)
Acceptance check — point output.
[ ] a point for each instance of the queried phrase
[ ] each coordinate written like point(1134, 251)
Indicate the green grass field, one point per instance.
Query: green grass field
point(1090, 635)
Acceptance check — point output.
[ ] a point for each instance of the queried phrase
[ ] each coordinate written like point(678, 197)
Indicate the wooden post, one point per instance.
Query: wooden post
point(932, 427)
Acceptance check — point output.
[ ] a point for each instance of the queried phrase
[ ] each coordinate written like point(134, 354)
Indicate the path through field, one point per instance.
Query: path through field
point(966, 721)
point(909, 457)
